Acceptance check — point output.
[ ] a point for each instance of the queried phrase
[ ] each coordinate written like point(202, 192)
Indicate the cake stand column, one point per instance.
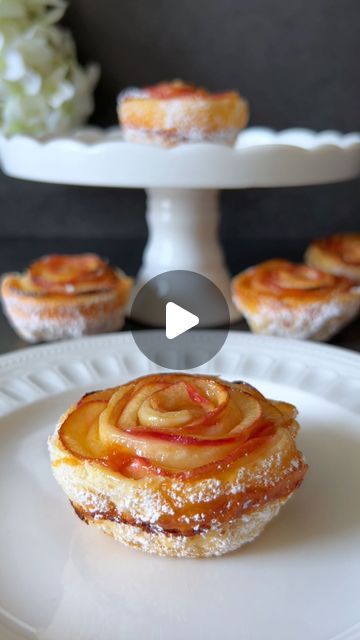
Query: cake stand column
point(183, 234)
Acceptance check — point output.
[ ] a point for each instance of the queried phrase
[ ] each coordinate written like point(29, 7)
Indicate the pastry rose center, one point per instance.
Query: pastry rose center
point(171, 424)
point(295, 277)
point(69, 274)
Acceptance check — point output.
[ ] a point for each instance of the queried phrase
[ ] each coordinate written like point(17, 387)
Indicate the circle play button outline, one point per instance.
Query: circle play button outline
point(182, 303)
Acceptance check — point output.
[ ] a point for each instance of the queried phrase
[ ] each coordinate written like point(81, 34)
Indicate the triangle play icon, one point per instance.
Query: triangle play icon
point(178, 320)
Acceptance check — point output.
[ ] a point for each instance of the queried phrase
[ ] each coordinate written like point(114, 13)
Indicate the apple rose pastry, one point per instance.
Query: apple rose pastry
point(280, 298)
point(178, 464)
point(339, 254)
point(65, 296)
point(173, 112)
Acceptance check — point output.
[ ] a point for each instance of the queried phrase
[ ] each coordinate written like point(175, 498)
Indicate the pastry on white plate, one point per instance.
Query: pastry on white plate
point(178, 464)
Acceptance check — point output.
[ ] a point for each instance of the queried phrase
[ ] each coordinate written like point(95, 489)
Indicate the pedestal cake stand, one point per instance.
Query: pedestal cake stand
point(183, 183)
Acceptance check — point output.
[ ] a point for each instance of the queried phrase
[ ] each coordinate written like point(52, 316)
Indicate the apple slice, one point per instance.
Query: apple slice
point(178, 438)
point(212, 390)
point(197, 397)
point(240, 415)
point(162, 451)
point(286, 277)
point(139, 466)
point(165, 425)
point(236, 423)
point(250, 409)
point(172, 90)
point(288, 410)
point(278, 414)
point(240, 385)
point(79, 433)
point(170, 407)
point(94, 396)
point(66, 269)
point(131, 414)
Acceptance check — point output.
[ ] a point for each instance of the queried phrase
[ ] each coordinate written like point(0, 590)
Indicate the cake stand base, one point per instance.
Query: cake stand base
point(183, 234)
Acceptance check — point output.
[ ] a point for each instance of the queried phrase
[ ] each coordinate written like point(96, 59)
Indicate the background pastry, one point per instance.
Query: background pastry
point(339, 254)
point(281, 298)
point(173, 112)
point(65, 296)
point(176, 464)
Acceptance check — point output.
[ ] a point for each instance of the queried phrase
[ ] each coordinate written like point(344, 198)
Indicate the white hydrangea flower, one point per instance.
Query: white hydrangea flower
point(43, 89)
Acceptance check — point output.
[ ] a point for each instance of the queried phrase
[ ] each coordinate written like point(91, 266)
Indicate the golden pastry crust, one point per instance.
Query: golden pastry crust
point(65, 297)
point(281, 298)
point(176, 464)
point(338, 254)
point(215, 542)
point(174, 112)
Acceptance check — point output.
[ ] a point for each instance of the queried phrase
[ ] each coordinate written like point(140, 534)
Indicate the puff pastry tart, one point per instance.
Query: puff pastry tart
point(178, 464)
point(65, 296)
point(339, 254)
point(281, 298)
point(173, 112)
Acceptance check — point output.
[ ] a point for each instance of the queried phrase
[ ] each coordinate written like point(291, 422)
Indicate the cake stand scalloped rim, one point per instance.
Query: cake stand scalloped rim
point(260, 157)
point(252, 136)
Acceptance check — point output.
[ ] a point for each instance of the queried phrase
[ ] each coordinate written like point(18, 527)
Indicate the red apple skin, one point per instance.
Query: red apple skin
point(181, 439)
point(254, 435)
point(45, 271)
point(120, 461)
point(195, 395)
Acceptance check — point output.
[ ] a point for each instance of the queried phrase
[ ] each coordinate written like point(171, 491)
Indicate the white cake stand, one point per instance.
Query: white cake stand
point(183, 183)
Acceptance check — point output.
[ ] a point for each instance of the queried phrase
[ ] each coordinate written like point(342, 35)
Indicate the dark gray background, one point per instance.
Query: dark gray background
point(296, 61)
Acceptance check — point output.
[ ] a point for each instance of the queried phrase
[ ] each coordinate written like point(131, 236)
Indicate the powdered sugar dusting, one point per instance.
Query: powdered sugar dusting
point(317, 321)
point(38, 322)
point(187, 514)
point(191, 135)
point(215, 542)
point(148, 500)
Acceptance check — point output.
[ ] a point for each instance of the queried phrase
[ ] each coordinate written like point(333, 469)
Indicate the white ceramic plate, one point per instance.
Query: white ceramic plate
point(62, 580)
point(261, 157)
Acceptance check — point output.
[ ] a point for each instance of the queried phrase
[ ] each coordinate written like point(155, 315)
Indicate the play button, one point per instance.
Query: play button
point(178, 320)
point(178, 305)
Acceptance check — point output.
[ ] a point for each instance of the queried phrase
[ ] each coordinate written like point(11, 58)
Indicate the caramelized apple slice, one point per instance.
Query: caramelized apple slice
point(174, 90)
point(80, 430)
point(250, 410)
point(66, 269)
point(239, 416)
point(285, 277)
point(161, 408)
point(94, 396)
point(130, 414)
point(170, 453)
point(175, 425)
point(180, 438)
point(211, 390)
